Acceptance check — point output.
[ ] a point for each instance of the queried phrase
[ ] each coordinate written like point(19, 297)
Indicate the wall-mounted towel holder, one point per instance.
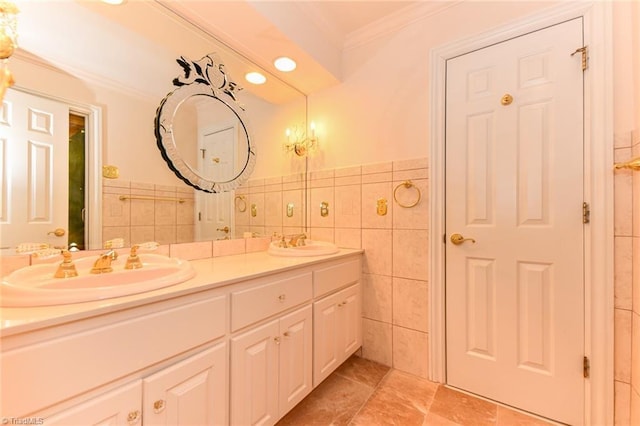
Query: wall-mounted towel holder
point(631, 165)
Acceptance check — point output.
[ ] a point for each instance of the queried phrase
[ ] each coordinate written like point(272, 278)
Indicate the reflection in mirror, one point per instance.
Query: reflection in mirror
point(203, 117)
point(118, 91)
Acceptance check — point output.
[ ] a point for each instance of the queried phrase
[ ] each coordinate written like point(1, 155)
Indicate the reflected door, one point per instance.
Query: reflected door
point(217, 159)
point(34, 170)
point(514, 192)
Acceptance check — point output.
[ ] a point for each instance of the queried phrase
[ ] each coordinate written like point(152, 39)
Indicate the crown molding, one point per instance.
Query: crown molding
point(396, 21)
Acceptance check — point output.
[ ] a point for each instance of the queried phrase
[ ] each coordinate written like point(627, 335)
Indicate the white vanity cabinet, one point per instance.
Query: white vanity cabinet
point(271, 362)
point(119, 407)
point(241, 351)
point(190, 392)
point(337, 318)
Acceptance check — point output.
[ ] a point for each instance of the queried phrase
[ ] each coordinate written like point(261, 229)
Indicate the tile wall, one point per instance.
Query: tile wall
point(163, 213)
point(626, 305)
point(395, 267)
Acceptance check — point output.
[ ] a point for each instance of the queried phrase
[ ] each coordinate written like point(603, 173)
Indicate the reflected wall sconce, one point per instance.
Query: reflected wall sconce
point(8, 42)
point(298, 142)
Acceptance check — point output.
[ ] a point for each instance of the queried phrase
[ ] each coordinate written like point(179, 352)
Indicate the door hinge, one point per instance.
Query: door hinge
point(586, 213)
point(584, 51)
point(586, 367)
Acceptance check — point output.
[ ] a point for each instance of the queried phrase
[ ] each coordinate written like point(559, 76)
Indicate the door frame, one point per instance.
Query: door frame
point(598, 188)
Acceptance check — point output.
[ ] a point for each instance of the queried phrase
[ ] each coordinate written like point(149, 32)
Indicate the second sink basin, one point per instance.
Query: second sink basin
point(311, 248)
point(35, 286)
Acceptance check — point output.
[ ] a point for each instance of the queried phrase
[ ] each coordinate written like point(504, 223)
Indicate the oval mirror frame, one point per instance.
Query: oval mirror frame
point(205, 77)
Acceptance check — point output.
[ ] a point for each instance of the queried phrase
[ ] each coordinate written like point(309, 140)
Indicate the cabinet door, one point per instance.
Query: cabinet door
point(325, 345)
point(296, 334)
point(254, 376)
point(350, 320)
point(120, 407)
point(191, 392)
point(337, 330)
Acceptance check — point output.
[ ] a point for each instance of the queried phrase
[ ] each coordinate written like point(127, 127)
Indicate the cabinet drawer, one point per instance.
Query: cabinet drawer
point(256, 303)
point(60, 368)
point(334, 277)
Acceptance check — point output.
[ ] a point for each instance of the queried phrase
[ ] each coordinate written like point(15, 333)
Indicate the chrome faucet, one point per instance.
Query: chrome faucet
point(103, 264)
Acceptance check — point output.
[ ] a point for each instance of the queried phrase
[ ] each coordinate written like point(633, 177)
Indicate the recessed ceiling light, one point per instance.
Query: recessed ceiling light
point(255, 78)
point(285, 64)
point(113, 2)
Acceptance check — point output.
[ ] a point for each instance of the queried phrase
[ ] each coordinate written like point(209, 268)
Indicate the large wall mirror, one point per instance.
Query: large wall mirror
point(108, 69)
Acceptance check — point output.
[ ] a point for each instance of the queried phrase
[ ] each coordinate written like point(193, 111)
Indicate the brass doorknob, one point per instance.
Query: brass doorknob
point(458, 239)
point(225, 229)
point(58, 232)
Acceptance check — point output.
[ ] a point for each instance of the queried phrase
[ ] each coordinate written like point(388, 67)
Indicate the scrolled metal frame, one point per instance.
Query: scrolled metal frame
point(205, 77)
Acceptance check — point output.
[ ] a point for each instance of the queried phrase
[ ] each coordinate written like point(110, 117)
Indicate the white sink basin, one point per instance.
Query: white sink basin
point(35, 285)
point(311, 248)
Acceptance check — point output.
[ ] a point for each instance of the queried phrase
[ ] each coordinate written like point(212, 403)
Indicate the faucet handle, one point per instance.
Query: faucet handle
point(66, 269)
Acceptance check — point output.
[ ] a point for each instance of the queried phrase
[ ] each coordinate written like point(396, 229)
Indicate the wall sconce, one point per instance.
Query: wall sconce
point(8, 42)
point(298, 142)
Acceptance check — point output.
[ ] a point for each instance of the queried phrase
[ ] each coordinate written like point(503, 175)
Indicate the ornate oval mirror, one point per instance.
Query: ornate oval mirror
point(201, 129)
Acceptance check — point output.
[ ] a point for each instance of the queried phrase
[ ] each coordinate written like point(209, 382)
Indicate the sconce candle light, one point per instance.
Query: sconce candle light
point(298, 142)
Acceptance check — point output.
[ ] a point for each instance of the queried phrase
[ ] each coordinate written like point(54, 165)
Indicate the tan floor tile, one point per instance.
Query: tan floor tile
point(334, 403)
point(507, 417)
point(363, 371)
point(462, 408)
point(401, 399)
point(436, 420)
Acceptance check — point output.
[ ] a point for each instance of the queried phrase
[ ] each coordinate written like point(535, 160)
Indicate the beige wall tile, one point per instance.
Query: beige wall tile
point(635, 408)
point(411, 164)
point(622, 401)
point(192, 251)
point(376, 297)
point(371, 193)
point(623, 202)
point(294, 197)
point(273, 211)
point(377, 251)
point(185, 233)
point(348, 238)
point(165, 234)
point(348, 206)
point(411, 304)
point(319, 195)
point(112, 232)
point(635, 351)
point(322, 234)
point(368, 169)
point(411, 351)
point(416, 217)
point(185, 212)
point(376, 341)
point(114, 211)
point(411, 254)
point(229, 247)
point(636, 274)
point(142, 212)
point(622, 345)
point(141, 234)
point(623, 254)
point(257, 200)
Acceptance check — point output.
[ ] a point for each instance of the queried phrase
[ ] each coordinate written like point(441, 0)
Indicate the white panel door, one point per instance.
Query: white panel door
point(34, 169)
point(295, 381)
point(191, 392)
point(514, 184)
point(217, 159)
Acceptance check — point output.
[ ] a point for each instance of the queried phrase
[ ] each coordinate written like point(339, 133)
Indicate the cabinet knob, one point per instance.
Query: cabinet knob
point(286, 334)
point(282, 297)
point(341, 304)
point(158, 406)
point(277, 340)
point(133, 417)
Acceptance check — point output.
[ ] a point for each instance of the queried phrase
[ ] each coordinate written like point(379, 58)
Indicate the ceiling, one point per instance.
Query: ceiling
point(146, 36)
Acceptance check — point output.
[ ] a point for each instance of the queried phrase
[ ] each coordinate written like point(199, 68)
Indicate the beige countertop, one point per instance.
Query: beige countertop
point(210, 273)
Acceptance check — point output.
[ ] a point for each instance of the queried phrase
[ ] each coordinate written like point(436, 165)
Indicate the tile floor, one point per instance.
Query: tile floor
point(364, 393)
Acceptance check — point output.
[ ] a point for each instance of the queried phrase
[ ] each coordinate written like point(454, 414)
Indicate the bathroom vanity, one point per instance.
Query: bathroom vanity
point(242, 342)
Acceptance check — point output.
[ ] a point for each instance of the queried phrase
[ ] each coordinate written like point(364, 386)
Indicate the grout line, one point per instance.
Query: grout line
point(375, 389)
